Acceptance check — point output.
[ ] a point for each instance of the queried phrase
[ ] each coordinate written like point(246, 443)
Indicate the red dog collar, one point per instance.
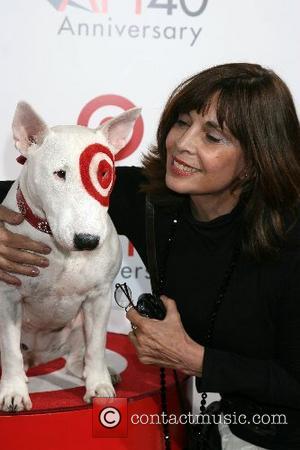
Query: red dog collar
point(36, 221)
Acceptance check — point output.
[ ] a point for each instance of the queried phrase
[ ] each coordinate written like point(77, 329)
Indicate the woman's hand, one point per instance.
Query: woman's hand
point(13, 255)
point(165, 343)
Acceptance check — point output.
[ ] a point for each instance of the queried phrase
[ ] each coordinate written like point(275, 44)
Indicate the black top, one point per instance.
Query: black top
point(254, 357)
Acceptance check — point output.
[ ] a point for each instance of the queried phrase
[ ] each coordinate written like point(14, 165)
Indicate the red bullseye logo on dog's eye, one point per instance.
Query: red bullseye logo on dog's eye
point(97, 171)
point(105, 174)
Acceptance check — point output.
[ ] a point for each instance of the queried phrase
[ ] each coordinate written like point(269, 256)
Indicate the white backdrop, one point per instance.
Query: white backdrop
point(66, 56)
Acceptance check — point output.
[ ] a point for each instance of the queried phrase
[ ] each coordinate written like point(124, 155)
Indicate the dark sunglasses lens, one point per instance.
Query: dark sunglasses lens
point(123, 295)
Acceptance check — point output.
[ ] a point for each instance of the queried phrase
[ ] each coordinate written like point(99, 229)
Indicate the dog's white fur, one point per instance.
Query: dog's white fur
point(68, 304)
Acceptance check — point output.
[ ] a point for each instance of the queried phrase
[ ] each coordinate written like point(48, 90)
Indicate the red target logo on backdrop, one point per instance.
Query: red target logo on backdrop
point(124, 104)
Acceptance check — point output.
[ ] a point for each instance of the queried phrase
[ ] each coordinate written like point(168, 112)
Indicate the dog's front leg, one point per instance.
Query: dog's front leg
point(14, 394)
point(96, 310)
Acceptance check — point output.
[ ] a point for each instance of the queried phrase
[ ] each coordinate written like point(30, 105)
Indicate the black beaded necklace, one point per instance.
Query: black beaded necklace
point(158, 281)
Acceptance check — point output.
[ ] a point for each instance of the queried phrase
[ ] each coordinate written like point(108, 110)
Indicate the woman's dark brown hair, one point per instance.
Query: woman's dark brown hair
point(257, 108)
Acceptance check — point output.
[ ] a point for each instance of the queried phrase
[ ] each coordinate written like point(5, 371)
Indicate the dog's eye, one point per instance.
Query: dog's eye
point(61, 174)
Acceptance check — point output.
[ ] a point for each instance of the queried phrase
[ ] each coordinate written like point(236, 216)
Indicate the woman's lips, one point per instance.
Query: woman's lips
point(180, 168)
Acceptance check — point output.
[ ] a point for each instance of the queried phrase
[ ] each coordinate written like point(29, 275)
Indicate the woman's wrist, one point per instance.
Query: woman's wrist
point(193, 358)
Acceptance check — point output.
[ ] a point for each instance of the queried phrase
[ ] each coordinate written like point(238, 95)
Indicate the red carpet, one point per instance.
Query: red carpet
point(60, 419)
point(138, 380)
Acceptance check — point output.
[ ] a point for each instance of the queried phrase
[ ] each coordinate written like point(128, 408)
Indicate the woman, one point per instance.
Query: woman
point(225, 181)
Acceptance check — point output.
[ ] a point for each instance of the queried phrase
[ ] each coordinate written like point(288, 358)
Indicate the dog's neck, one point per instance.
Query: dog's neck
point(32, 215)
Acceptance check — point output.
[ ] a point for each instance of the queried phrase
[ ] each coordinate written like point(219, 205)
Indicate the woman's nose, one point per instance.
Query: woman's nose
point(187, 142)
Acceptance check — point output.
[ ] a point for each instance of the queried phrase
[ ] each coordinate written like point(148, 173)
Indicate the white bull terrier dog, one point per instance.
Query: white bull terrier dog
point(63, 192)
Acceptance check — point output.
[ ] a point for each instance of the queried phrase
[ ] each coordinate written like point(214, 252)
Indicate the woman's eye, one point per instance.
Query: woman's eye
point(60, 174)
point(212, 138)
point(181, 123)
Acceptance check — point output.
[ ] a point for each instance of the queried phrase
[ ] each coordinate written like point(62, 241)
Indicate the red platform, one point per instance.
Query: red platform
point(60, 420)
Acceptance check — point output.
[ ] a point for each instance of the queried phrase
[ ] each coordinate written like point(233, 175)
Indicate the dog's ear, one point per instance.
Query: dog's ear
point(118, 130)
point(28, 128)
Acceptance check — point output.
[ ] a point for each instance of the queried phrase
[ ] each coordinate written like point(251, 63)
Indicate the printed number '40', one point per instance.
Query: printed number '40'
point(169, 5)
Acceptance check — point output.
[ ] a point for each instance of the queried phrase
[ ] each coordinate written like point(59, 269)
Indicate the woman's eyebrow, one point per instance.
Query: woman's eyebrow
point(212, 124)
point(184, 114)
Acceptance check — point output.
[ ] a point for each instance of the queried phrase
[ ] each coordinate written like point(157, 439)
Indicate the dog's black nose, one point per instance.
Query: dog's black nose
point(85, 241)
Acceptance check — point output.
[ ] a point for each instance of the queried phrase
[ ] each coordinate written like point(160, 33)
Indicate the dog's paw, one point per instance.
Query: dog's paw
point(14, 396)
point(100, 390)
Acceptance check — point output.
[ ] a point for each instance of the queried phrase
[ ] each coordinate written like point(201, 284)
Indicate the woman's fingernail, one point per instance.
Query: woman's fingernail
point(35, 271)
point(44, 262)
